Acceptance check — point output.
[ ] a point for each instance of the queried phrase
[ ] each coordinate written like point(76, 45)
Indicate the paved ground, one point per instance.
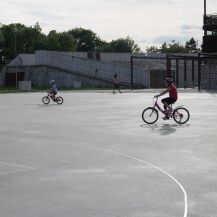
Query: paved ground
point(93, 156)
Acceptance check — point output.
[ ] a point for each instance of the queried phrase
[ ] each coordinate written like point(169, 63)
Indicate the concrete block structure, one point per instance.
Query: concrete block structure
point(209, 76)
point(25, 85)
point(67, 68)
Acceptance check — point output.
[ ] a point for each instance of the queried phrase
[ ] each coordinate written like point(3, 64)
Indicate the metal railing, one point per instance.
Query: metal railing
point(210, 19)
point(86, 67)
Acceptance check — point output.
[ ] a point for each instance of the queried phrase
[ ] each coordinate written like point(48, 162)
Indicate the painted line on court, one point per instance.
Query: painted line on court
point(133, 158)
point(125, 155)
point(139, 160)
point(15, 165)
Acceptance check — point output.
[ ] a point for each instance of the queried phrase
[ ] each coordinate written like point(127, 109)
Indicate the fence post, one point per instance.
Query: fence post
point(131, 60)
point(199, 71)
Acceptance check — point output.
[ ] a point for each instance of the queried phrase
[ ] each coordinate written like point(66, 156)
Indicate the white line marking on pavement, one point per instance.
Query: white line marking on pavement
point(163, 171)
point(16, 165)
point(15, 171)
point(134, 158)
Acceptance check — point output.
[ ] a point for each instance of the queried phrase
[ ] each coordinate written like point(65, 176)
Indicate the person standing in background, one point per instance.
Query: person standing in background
point(116, 83)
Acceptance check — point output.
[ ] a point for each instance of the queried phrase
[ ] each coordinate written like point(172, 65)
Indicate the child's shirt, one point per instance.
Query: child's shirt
point(54, 88)
point(116, 80)
point(173, 92)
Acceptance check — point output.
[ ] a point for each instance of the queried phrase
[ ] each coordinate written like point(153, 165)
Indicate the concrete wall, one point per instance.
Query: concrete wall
point(148, 64)
point(209, 76)
point(41, 75)
point(98, 69)
point(110, 64)
point(23, 59)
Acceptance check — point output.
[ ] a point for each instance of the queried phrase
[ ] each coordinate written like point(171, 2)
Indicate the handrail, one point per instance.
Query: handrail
point(78, 65)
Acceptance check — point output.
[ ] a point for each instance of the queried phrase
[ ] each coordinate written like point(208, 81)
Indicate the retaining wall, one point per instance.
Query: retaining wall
point(41, 75)
point(209, 76)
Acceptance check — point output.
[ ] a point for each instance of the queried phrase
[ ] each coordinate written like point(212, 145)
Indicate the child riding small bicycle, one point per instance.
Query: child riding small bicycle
point(53, 90)
point(173, 96)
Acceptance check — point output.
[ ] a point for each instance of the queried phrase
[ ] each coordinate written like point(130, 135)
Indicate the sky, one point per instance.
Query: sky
point(147, 22)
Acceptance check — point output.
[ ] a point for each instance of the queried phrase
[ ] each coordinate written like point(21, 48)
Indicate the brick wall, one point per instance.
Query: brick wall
point(209, 76)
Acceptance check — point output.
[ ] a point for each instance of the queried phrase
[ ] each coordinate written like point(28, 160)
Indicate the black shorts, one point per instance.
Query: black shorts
point(116, 86)
point(169, 100)
point(54, 93)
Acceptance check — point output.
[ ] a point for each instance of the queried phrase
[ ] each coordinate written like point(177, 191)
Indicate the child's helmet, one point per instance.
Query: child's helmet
point(168, 80)
point(52, 81)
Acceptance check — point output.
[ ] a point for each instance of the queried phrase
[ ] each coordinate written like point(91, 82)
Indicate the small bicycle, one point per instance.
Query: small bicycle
point(46, 99)
point(180, 114)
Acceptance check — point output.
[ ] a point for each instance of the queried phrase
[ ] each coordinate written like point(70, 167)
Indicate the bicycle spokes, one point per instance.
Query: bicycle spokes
point(181, 115)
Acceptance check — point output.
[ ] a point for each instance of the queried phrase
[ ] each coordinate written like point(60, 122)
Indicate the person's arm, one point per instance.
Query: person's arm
point(164, 92)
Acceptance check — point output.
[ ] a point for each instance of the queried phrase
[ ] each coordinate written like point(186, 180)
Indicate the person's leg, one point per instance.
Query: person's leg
point(114, 88)
point(118, 88)
point(54, 98)
point(165, 101)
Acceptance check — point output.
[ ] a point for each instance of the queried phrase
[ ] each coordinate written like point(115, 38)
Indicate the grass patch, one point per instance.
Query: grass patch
point(44, 89)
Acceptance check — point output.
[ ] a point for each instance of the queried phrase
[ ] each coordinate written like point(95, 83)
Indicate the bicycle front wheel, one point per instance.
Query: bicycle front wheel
point(59, 100)
point(150, 115)
point(45, 100)
point(181, 115)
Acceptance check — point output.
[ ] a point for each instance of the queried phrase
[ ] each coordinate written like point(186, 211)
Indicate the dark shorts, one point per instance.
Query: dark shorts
point(168, 100)
point(116, 86)
point(54, 93)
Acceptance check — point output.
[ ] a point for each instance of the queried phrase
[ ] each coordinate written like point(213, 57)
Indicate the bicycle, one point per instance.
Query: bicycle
point(180, 114)
point(46, 99)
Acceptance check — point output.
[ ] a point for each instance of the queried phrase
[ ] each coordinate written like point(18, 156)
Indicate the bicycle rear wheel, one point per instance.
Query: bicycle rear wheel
point(59, 100)
point(181, 115)
point(45, 100)
point(150, 115)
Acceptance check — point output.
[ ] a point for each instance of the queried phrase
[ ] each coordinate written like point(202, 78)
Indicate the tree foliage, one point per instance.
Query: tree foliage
point(191, 44)
point(29, 39)
point(174, 47)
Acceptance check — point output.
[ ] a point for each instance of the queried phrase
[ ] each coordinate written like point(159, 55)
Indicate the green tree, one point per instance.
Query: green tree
point(52, 41)
point(124, 45)
point(67, 42)
point(173, 47)
point(152, 49)
point(85, 39)
point(191, 44)
point(28, 39)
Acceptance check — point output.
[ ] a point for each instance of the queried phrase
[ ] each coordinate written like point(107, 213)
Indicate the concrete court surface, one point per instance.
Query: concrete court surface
point(93, 156)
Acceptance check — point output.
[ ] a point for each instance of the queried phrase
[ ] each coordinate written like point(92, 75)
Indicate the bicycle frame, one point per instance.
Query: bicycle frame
point(163, 111)
point(158, 107)
point(51, 96)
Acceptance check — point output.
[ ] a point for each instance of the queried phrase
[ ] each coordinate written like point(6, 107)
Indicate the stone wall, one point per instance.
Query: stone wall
point(41, 75)
point(209, 76)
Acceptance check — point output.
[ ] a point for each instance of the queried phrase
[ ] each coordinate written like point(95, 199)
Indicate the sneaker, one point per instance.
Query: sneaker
point(166, 118)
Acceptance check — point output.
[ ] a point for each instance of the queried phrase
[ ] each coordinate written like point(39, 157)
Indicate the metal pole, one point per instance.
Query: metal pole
point(131, 58)
point(192, 70)
point(185, 70)
point(204, 17)
point(205, 7)
point(177, 72)
point(15, 39)
point(95, 49)
point(199, 71)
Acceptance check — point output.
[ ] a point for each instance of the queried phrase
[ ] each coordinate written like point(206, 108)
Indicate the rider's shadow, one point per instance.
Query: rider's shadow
point(164, 129)
point(40, 105)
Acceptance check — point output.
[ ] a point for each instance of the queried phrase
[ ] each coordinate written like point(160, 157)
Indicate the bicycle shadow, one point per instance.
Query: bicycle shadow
point(40, 105)
point(164, 129)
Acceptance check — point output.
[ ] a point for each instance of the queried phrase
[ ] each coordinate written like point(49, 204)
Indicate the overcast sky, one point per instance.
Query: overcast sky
point(148, 22)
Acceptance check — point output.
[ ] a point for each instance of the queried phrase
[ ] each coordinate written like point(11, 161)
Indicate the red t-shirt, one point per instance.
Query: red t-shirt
point(173, 92)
